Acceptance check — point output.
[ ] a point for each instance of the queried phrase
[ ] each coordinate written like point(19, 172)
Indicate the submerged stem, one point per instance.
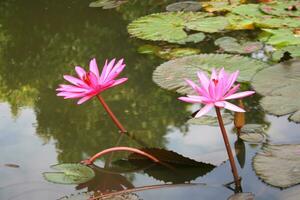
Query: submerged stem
point(111, 114)
point(228, 149)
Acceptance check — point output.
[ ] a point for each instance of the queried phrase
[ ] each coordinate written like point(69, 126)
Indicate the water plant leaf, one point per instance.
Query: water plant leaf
point(107, 4)
point(69, 173)
point(284, 8)
point(242, 196)
point(195, 38)
point(168, 26)
point(219, 6)
point(231, 45)
point(211, 120)
point(276, 22)
point(247, 10)
point(237, 22)
point(280, 37)
point(280, 85)
point(170, 75)
point(294, 51)
point(253, 133)
point(192, 6)
point(208, 24)
point(285, 158)
point(167, 53)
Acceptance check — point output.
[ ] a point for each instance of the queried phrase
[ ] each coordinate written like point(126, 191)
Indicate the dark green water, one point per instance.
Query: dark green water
point(39, 42)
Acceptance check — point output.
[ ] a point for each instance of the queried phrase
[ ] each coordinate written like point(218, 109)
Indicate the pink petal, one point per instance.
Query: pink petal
point(211, 89)
point(231, 80)
point(204, 81)
point(221, 73)
point(213, 74)
point(193, 85)
point(190, 100)
point(116, 71)
point(84, 99)
point(69, 95)
point(240, 95)
point(75, 81)
point(80, 71)
point(233, 107)
point(103, 72)
point(94, 67)
point(118, 82)
point(220, 104)
point(70, 88)
point(94, 80)
point(204, 110)
point(108, 69)
point(232, 90)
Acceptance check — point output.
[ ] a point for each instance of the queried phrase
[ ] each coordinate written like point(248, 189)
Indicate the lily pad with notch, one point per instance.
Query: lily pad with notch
point(285, 158)
point(69, 173)
point(170, 75)
point(280, 85)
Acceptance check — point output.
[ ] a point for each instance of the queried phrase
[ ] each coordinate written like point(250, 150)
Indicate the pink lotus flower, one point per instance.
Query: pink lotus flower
point(90, 84)
point(216, 91)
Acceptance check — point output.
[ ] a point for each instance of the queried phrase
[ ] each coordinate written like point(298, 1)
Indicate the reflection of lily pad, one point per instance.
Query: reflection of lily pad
point(284, 8)
point(69, 173)
point(280, 37)
point(167, 53)
point(184, 6)
point(211, 120)
point(280, 85)
point(230, 44)
point(208, 24)
point(279, 165)
point(242, 196)
point(170, 75)
point(107, 4)
point(168, 26)
point(294, 52)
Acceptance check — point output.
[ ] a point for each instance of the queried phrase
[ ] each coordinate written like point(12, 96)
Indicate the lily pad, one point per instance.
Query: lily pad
point(69, 173)
point(242, 196)
point(208, 24)
point(192, 6)
point(168, 26)
point(211, 120)
point(107, 4)
point(253, 133)
point(167, 53)
point(276, 22)
point(294, 51)
point(237, 22)
point(248, 10)
point(170, 75)
point(285, 159)
point(280, 85)
point(231, 45)
point(195, 38)
point(219, 6)
point(280, 37)
point(284, 8)
point(252, 137)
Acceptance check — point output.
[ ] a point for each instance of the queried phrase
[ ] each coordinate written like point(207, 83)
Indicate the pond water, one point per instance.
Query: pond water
point(42, 40)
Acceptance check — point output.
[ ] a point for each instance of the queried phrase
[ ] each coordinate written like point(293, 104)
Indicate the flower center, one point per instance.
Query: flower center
point(86, 78)
point(215, 81)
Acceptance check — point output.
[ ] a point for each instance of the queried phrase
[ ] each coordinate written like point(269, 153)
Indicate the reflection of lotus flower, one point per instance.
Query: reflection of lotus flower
point(216, 91)
point(90, 84)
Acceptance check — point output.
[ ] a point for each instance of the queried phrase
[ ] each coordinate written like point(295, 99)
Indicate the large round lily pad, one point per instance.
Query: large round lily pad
point(280, 37)
point(69, 173)
point(168, 26)
point(208, 24)
point(170, 75)
point(279, 165)
point(280, 85)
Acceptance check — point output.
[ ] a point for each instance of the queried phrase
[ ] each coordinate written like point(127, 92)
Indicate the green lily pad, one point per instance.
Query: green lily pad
point(69, 173)
point(211, 120)
point(170, 75)
point(285, 159)
point(253, 133)
point(280, 37)
point(231, 45)
point(219, 6)
point(167, 53)
point(280, 85)
point(237, 22)
point(276, 22)
point(294, 51)
point(195, 38)
point(208, 24)
point(168, 26)
point(192, 6)
point(107, 4)
point(248, 10)
point(242, 196)
point(284, 8)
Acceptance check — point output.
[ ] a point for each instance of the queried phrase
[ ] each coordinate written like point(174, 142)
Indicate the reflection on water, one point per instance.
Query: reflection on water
point(42, 40)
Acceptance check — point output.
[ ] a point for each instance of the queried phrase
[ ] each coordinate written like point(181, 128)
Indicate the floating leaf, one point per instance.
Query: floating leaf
point(170, 75)
point(219, 6)
point(107, 4)
point(69, 173)
point(248, 10)
point(280, 85)
point(252, 137)
point(272, 22)
point(195, 38)
point(278, 165)
point(192, 6)
point(208, 24)
point(285, 8)
point(237, 22)
point(211, 120)
point(96, 195)
point(294, 51)
point(167, 53)
point(168, 26)
point(242, 196)
point(253, 133)
point(230, 44)
point(280, 37)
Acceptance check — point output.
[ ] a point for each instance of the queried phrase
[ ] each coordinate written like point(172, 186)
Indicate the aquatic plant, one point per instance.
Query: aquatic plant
point(90, 84)
point(215, 92)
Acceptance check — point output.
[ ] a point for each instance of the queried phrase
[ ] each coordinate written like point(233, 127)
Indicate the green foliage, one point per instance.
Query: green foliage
point(294, 51)
point(279, 37)
point(208, 24)
point(192, 6)
point(282, 8)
